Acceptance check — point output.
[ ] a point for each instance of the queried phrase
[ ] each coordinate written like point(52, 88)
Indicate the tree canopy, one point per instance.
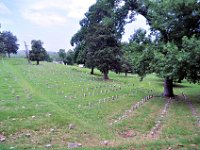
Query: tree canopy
point(8, 43)
point(171, 50)
point(67, 57)
point(38, 53)
point(100, 37)
point(176, 26)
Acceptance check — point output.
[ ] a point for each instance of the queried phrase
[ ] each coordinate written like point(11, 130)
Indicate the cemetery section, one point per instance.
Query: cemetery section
point(52, 106)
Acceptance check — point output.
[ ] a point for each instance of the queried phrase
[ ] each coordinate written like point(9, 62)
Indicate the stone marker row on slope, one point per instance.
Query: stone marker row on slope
point(159, 121)
point(192, 108)
point(134, 107)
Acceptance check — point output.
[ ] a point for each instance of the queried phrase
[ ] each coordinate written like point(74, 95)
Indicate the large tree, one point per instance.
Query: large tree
point(99, 34)
point(81, 50)
point(8, 43)
point(174, 23)
point(38, 53)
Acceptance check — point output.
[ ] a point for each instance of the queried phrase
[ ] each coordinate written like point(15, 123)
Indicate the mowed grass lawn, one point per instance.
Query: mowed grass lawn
point(56, 104)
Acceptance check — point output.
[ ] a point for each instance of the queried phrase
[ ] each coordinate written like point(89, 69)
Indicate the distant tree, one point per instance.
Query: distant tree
point(126, 63)
point(38, 53)
point(70, 57)
point(1, 44)
point(139, 52)
point(63, 56)
point(48, 58)
point(8, 43)
point(126, 66)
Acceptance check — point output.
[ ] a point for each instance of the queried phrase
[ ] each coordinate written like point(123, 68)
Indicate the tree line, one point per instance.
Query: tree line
point(9, 45)
point(171, 50)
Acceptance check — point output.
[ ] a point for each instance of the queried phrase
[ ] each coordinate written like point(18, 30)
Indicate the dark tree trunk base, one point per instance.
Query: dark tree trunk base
point(105, 76)
point(179, 81)
point(126, 74)
point(37, 62)
point(92, 71)
point(168, 87)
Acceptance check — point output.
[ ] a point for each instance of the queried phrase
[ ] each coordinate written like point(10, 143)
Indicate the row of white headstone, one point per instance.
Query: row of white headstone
point(92, 93)
point(100, 101)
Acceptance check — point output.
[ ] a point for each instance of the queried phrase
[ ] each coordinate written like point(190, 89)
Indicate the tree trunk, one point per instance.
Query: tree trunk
point(65, 63)
point(179, 81)
point(168, 87)
point(29, 62)
point(37, 62)
point(180, 78)
point(8, 55)
point(92, 71)
point(126, 74)
point(105, 75)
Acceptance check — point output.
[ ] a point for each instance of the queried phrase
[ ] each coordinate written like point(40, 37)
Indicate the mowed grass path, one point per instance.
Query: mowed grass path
point(38, 104)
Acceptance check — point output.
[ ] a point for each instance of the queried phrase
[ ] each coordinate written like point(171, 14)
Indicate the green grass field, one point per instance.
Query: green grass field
point(39, 103)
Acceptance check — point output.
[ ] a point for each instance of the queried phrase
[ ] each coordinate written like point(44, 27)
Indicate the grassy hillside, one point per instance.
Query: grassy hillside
point(52, 105)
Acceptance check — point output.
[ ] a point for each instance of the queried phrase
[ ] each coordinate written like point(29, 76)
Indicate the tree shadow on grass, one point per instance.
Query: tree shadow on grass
point(176, 85)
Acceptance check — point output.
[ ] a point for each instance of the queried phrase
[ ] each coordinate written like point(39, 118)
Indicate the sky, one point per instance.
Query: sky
point(53, 22)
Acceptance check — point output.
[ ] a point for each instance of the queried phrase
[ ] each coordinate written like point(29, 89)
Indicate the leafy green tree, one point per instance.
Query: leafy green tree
point(38, 53)
point(70, 57)
point(62, 55)
point(140, 53)
point(172, 22)
point(191, 56)
point(80, 54)
point(48, 58)
point(105, 49)
point(1, 44)
point(100, 36)
point(8, 43)
point(81, 50)
point(126, 66)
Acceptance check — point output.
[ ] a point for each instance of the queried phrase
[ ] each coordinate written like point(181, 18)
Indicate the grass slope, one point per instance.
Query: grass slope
point(36, 100)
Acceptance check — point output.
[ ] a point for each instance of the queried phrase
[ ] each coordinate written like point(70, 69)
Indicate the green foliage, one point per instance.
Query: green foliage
point(48, 58)
point(67, 58)
point(191, 57)
point(70, 57)
point(140, 53)
point(80, 54)
point(100, 37)
point(8, 43)
point(38, 53)
point(173, 24)
point(62, 56)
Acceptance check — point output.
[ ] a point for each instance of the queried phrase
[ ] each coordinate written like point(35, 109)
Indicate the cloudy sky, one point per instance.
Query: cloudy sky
point(52, 21)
